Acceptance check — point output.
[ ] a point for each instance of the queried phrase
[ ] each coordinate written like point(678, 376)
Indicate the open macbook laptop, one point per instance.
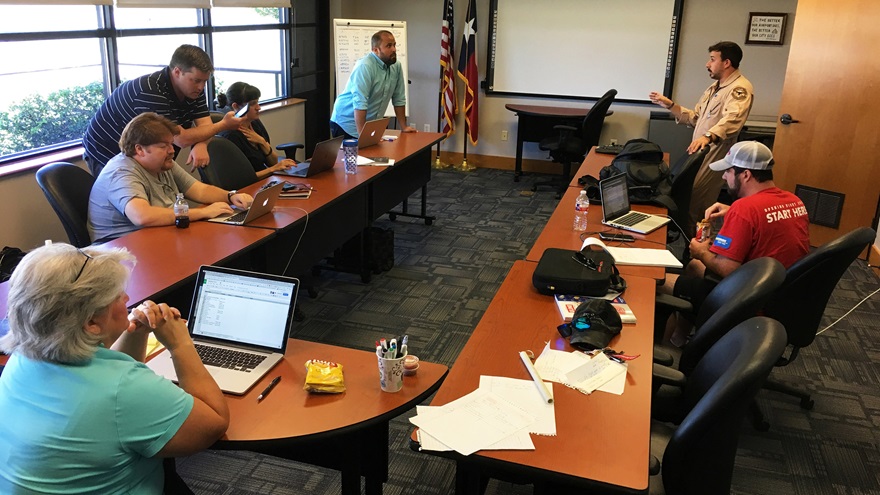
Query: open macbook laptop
point(263, 203)
point(616, 211)
point(240, 322)
point(372, 132)
point(323, 158)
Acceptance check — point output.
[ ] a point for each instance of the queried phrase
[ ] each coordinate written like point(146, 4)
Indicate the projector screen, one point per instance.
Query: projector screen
point(582, 48)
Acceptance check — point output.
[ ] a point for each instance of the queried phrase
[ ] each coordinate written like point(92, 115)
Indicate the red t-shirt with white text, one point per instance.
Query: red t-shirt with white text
point(771, 223)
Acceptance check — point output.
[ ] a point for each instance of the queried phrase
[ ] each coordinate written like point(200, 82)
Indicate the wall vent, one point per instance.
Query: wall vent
point(823, 207)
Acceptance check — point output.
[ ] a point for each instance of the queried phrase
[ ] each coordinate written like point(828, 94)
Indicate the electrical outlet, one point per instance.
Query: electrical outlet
point(612, 141)
point(427, 128)
point(504, 135)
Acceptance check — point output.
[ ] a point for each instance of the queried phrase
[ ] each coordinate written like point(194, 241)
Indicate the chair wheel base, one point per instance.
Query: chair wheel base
point(807, 403)
point(534, 188)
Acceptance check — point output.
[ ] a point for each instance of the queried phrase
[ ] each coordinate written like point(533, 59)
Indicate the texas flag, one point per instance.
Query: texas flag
point(467, 71)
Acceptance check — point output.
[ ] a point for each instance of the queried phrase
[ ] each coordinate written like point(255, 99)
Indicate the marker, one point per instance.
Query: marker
point(268, 388)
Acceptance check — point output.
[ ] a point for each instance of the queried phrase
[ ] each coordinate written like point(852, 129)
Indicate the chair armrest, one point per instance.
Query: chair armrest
point(653, 466)
point(662, 357)
point(663, 375)
point(561, 127)
point(673, 303)
point(289, 149)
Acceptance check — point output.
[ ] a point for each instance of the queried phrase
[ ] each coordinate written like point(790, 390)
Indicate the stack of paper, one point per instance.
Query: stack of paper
point(582, 372)
point(499, 415)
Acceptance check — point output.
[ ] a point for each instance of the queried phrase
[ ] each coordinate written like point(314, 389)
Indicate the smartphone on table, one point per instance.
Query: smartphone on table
point(607, 236)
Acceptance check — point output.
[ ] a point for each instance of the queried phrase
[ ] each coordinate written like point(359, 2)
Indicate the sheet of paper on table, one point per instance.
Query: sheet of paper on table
point(637, 256)
point(571, 368)
point(521, 394)
point(474, 422)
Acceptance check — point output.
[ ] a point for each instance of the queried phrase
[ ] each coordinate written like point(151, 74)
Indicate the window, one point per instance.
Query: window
point(59, 62)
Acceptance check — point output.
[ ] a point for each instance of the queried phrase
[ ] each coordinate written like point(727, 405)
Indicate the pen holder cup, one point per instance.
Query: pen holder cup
point(391, 374)
point(350, 155)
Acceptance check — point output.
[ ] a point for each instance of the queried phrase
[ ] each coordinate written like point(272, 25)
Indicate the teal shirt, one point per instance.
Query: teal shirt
point(93, 428)
point(371, 86)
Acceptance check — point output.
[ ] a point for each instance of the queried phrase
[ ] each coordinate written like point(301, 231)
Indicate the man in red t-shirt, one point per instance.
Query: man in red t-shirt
point(762, 221)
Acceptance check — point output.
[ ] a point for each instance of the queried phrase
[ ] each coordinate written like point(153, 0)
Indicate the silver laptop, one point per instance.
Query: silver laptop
point(616, 211)
point(323, 158)
point(372, 132)
point(240, 322)
point(263, 203)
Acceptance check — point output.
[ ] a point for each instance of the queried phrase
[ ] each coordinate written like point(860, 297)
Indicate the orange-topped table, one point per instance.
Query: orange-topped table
point(558, 233)
point(168, 257)
point(347, 431)
point(603, 440)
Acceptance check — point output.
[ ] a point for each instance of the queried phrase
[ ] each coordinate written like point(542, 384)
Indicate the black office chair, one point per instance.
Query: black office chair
point(228, 169)
point(737, 297)
point(683, 174)
point(67, 187)
point(801, 300)
point(289, 149)
point(698, 455)
point(573, 143)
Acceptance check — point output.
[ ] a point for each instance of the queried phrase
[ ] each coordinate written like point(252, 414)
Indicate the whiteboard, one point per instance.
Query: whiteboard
point(353, 42)
point(583, 48)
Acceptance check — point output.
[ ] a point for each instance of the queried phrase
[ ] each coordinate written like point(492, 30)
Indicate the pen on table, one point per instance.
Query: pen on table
point(268, 388)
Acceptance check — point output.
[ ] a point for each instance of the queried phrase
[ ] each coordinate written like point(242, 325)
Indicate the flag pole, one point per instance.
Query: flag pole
point(438, 163)
point(464, 167)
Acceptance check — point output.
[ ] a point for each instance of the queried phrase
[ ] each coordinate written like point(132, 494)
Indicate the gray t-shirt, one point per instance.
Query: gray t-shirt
point(122, 180)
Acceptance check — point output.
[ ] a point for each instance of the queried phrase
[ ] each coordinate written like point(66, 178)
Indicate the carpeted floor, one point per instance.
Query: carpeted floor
point(443, 279)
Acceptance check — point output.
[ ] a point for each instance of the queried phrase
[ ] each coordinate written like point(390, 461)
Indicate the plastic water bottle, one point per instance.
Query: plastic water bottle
point(181, 212)
point(581, 208)
point(350, 154)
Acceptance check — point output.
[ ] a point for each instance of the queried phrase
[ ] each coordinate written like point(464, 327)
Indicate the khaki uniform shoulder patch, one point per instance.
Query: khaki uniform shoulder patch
point(740, 93)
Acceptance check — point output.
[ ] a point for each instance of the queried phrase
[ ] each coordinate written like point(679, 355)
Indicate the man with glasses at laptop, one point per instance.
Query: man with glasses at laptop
point(139, 186)
point(762, 221)
point(375, 80)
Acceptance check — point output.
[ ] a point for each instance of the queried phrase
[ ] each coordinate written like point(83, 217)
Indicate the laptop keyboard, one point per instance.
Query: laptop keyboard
point(631, 218)
point(227, 358)
point(238, 217)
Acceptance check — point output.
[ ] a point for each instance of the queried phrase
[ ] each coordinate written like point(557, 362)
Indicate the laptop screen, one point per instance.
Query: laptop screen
point(247, 308)
point(615, 197)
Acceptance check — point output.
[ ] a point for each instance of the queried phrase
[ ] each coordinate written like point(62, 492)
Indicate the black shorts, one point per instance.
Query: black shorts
point(693, 289)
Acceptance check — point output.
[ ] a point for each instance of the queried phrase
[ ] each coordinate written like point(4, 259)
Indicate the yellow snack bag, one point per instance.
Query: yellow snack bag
point(324, 377)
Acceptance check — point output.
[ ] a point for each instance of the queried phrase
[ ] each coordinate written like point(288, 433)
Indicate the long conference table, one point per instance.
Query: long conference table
point(602, 445)
point(348, 431)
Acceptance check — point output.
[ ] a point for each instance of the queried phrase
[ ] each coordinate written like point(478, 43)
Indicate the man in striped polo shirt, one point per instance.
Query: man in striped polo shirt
point(176, 92)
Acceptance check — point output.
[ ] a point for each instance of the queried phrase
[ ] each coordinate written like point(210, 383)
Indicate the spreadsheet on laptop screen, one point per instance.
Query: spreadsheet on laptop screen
point(243, 309)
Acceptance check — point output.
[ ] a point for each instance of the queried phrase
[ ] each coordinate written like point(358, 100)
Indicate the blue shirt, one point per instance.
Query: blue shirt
point(371, 86)
point(92, 428)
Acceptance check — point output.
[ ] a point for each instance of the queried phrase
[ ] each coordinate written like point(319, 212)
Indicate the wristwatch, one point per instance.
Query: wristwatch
point(229, 195)
point(710, 136)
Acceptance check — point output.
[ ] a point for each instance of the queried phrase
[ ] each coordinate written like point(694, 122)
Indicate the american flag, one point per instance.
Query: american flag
point(467, 71)
point(449, 106)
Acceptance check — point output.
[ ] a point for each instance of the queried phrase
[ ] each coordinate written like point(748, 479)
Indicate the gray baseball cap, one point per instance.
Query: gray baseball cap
point(745, 154)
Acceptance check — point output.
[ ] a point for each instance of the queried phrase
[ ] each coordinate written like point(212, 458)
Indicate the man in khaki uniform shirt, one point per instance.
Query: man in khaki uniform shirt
point(717, 120)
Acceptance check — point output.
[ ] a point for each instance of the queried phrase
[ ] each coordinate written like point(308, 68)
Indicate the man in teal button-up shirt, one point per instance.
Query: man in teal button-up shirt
point(375, 80)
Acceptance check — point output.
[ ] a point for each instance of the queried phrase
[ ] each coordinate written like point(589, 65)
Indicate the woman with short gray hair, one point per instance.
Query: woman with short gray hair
point(91, 416)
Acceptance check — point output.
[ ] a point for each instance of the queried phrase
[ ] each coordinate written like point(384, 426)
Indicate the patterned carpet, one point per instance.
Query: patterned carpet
point(443, 279)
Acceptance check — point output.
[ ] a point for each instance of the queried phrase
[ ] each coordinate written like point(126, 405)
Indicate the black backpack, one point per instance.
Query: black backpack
point(647, 175)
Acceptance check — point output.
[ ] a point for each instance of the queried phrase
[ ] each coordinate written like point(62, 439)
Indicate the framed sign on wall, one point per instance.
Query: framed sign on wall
point(766, 28)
